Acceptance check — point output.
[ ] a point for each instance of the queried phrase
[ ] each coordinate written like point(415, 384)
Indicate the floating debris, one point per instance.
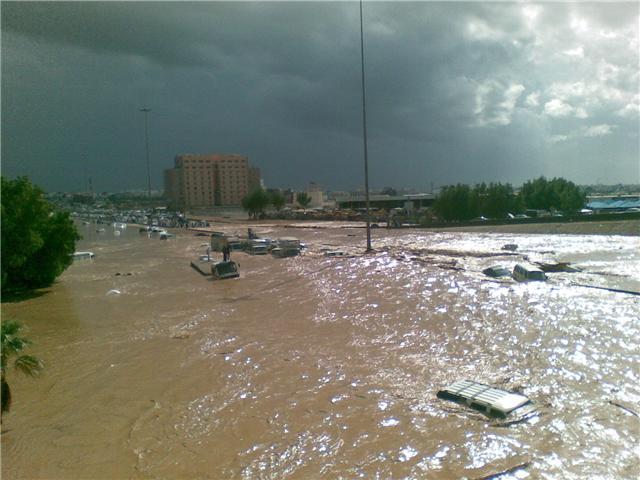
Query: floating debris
point(507, 471)
point(484, 398)
point(608, 289)
point(557, 267)
point(181, 335)
point(511, 247)
point(624, 407)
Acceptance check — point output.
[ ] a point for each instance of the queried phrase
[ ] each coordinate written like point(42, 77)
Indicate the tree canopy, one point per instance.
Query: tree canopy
point(12, 345)
point(457, 202)
point(256, 202)
point(496, 200)
point(303, 199)
point(37, 241)
point(277, 200)
point(555, 194)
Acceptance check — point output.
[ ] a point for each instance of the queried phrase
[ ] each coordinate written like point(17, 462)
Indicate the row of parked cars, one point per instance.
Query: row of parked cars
point(282, 247)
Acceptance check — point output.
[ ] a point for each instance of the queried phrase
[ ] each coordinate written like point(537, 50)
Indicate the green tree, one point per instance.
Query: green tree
point(303, 199)
point(256, 202)
point(37, 242)
point(496, 200)
point(277, 200)
point(12, 345)
point(555, 194)
point(456, 202)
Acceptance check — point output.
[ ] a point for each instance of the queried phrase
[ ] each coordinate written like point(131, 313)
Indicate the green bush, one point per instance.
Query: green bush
point(37, 242)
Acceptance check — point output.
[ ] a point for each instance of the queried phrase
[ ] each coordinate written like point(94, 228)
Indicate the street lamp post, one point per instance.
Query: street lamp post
point(146, 142)
point(364, 136)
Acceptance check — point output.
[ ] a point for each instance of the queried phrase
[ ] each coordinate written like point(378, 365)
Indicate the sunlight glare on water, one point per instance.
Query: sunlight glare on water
point(328, 366)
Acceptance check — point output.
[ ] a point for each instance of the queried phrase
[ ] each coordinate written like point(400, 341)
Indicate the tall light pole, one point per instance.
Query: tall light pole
point(364, 136)
point(146, 142)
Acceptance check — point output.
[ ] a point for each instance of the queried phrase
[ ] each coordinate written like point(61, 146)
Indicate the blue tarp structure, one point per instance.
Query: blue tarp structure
point(614, 204)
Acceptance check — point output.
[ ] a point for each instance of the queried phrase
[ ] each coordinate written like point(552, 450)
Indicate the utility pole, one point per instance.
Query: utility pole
point(364, 136)
point(146, 142)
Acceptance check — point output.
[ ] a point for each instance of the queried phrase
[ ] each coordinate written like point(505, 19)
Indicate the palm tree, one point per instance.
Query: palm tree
point(12, 345)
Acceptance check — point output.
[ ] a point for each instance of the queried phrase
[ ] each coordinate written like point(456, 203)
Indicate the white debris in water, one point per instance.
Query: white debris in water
point(389, 422)
point(338, 398)
point(407, 453)
point(114, 292)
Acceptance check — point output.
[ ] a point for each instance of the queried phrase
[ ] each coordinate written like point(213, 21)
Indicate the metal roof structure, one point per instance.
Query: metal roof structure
point(614, 203)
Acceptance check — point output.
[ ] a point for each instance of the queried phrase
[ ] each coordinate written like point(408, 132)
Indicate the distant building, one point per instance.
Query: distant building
point(288, 194)
point(314, 191)
point(417, 201)
point(171, 189)
point(200, 181)
point(254, 179)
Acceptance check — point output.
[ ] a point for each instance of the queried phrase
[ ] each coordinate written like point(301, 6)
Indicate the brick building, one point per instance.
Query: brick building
point(198, 181)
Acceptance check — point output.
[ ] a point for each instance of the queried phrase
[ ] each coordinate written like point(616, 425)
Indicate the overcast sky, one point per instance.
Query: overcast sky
point(456, 92)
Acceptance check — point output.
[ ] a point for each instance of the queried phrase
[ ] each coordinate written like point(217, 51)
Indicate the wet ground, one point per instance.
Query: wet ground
point(314, 366)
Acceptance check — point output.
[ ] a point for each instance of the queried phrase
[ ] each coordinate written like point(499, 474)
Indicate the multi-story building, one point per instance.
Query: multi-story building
point(317, 195)
point(254, 179)
point(198, 181)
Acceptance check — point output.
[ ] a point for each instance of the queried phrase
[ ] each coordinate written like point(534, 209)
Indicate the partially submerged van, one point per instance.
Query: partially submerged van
point(257, 246)
point(286, 247)
point(528, 273)
point(82, 256)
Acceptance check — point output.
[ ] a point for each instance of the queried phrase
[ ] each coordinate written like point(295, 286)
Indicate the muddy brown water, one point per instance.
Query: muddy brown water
point(318, 367)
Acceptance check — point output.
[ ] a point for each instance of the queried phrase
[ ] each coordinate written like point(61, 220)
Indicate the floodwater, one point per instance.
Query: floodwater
point(319, 367)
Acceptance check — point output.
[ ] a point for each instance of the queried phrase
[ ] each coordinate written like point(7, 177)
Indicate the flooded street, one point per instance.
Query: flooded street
point(318, 366)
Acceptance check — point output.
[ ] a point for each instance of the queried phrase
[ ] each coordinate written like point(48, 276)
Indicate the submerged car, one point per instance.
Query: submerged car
point(224, 270)
point(257, 246)
point(528, 273)
point(286, 247)
point(497, 271)
point(82, 256)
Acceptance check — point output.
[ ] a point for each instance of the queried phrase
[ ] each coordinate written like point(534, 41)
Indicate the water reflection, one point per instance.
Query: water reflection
point(317, 366)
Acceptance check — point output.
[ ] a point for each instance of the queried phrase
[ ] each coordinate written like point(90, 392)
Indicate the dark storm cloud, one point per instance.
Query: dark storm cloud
point(455, 91)
point(137, 28)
